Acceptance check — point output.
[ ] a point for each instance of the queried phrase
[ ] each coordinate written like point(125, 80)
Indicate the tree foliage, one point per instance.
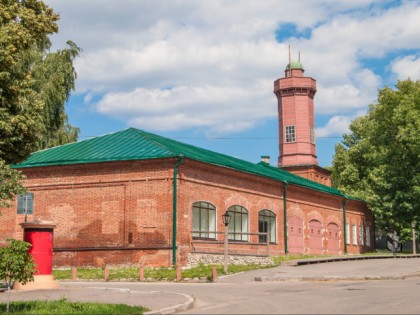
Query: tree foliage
point(16, 264)
point(11, 184)
point(35, 84)
point(379, 160)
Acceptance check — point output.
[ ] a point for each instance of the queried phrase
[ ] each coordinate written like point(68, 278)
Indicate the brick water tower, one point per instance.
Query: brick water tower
point(296, 119)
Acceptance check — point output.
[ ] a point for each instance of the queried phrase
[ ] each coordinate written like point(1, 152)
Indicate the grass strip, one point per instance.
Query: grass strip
point(63, 306)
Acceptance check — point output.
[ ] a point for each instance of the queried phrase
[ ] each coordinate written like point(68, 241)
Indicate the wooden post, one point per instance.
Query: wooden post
point(178, 274)
point(214, 274)
point(73, 273)
point(106, 273)
point(225, 251)
point(141, 274)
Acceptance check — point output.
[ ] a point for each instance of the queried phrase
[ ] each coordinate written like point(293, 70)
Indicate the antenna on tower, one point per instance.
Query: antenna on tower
point(290, 63)
point(299, 56)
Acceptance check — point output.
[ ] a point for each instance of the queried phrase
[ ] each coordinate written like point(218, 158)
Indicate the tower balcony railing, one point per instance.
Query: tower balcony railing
point(304, 82)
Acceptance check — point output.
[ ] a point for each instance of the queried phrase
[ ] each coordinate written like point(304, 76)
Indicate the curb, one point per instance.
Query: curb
point(336, 278)
point(344, 258)
point(176, 308)
point(167, 310)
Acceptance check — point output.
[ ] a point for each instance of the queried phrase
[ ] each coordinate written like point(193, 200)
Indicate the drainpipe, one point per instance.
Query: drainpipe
point(286, 250)
point(374, 231)
point(344, 223)
point(174, 207)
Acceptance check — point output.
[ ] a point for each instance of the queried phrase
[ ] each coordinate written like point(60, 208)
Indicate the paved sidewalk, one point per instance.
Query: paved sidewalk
point(363, 269)
point(368, 269)
point(159, 302)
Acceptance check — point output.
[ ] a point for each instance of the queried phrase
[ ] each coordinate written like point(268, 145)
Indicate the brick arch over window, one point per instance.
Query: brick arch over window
point(267, 224)
point(315, 215)
point(295, 210)
point(236, 199)
point(264, 204)
point(239, 223)
point(204, 220)
point(334, 219)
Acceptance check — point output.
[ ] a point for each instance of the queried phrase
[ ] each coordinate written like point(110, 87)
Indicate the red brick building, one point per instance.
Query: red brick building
point(134, 197)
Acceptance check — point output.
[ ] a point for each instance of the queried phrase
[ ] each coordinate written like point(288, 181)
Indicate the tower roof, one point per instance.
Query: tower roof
point(294, 65)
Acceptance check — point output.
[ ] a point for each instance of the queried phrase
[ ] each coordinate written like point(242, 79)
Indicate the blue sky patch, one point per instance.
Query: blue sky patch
point(288, 30)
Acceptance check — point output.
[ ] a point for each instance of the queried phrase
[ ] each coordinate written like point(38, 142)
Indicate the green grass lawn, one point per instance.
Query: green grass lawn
point(169, 274)
point(63, 306)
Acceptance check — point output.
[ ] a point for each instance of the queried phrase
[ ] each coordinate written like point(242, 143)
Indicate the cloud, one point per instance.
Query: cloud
point(182, 107)
point(210, 64)
point(336, 126)
point(407, 67)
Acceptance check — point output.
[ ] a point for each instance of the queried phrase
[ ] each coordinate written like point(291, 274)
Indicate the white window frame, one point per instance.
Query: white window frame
point(361, 235)
point(290, 133)
point(239, 223)
point(368, 235)
point(271, 218)
point(347, 234)
point(354, 234)
point(209, 231)
point(312, 135)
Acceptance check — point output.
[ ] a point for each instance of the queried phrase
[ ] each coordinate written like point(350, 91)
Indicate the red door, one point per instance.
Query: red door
point(315, 237)
point(333, 239)
point(295, 235)
point(41, 249)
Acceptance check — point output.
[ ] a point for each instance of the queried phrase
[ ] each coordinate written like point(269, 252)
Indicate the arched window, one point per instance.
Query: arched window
point(238, 223)
point(267, 224)
point(204, 220)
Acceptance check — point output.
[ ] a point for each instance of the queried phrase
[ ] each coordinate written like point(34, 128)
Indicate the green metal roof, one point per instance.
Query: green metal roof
point(294, 65)
point(134, 144)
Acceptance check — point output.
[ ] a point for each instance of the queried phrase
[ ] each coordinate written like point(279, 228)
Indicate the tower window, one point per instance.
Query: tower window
point(312, 135)
point(290, 134)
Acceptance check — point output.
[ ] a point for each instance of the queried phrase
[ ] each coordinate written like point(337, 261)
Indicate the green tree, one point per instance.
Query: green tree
point(35, 85)
point(11, 184)
point(16, 264)
point(379, 160)
point(54, 79)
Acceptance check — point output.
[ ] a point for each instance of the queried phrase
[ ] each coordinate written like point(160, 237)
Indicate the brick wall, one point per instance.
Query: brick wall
point(121, 212)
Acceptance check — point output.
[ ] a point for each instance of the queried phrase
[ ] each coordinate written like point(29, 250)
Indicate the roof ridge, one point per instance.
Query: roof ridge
point(148, 136)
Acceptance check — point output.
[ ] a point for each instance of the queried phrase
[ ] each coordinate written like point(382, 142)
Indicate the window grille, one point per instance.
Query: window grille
point(367, 236)
point(312, 135)
point(238, 223)
point(348, 234)
point(290, 134)
point(204, 220)
point(267, 224)
point(354, 232)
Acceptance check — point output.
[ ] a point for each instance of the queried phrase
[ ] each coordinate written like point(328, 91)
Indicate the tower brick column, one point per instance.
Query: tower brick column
point(296, 118)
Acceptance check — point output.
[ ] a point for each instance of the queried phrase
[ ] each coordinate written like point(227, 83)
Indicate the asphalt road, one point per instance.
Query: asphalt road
point(297, 297)
point(241, 294)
